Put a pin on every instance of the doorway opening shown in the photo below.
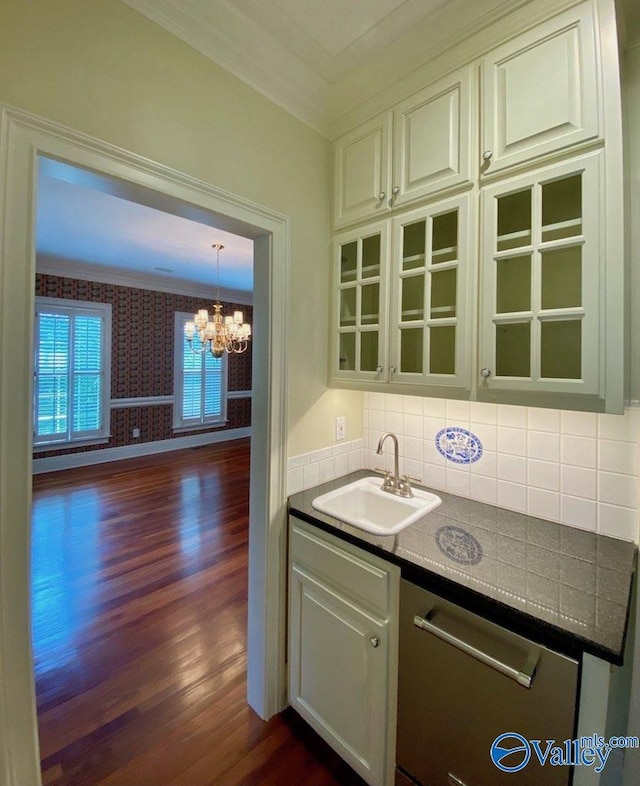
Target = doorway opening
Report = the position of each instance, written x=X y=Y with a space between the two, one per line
x=139 y=564
x=24 y=139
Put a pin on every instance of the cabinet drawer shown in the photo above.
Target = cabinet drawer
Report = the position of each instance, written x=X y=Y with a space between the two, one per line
x=336 y=563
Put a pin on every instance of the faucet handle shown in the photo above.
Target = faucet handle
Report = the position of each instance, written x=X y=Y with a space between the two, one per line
x=389 y=482
x=404 y=485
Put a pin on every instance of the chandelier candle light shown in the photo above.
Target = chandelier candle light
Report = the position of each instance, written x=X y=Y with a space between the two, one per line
x=218 y=334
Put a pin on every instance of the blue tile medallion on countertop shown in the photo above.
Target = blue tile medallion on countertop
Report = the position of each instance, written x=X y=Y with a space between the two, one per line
x=459 y=545
x=458 y=445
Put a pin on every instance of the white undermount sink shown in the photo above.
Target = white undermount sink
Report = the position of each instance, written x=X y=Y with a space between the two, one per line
x=364 y=505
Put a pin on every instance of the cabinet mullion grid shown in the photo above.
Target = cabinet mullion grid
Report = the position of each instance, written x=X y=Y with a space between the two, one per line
x=358 y=355
x=535 y=369
x=427 y=271
x=342 y=287
x=362 y=282
x=565 y=313
x=431 y=268
x=537 y=316
x=404 y=275
x=511 y=317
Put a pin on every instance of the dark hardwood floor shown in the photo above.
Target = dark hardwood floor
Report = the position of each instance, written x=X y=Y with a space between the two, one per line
x=139 y=630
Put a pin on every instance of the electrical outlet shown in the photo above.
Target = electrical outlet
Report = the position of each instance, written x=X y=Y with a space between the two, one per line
x=341 y=428
x=136 y=433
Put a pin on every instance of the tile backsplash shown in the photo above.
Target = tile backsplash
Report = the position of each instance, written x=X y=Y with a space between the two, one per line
x=578 y=468
x=319 y=466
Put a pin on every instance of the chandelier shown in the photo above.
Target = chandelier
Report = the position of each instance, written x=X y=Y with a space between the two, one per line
x=218 y=334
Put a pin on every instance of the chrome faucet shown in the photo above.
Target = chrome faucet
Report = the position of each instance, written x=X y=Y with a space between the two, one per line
x=394 y=484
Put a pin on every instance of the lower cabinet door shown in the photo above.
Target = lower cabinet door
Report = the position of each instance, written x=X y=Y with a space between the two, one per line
x=338 y=673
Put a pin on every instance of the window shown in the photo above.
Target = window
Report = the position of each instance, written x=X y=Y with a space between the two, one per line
x=72 y=371
x=200 y=384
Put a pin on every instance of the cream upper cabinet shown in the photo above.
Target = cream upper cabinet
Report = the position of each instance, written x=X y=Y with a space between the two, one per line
x=363 y=171
x=543 y=277
x=360 y=301
x=540 y=91
x=401 y=311
x=429 y=329
x=506 y=284
x=426 y=138
x=431 y=139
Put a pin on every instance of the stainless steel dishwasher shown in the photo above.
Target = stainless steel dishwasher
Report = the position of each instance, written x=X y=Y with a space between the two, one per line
x=463 y=681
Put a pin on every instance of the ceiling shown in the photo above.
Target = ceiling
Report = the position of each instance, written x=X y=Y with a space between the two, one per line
x=336 y=36
x=116 y=230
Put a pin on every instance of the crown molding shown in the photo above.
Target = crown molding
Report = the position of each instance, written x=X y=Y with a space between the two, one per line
x=335 y=96
x=431 y=51
x=69 y=268
x=239 y=45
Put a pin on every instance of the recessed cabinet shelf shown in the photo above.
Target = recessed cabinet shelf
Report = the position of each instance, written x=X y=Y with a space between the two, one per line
x=411 y=259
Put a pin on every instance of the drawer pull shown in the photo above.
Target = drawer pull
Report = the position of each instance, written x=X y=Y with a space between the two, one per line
x=524 y=677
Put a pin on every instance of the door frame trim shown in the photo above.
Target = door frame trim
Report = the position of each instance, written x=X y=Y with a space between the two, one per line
x=23 y=137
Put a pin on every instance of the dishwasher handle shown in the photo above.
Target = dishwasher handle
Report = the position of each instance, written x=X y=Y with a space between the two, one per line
x=523 y=677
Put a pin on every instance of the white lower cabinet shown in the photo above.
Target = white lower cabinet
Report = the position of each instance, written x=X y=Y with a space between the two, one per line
x=343 y=634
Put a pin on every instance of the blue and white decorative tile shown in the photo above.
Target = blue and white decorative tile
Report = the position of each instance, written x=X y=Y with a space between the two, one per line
x=459 y=545
x=458 y=445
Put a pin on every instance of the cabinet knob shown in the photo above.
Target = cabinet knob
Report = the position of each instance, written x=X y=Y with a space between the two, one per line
x=381 y=196
x=487 y=155
x=379 y=369
x=392 y=369
x=485 y=373
x=395 y=190
x=374 y=641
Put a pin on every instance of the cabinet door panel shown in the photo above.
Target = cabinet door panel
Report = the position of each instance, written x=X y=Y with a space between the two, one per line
x=540 y=91
x=359 y=323
x=431 y=139
x=430 y=321
x=540 y=312
x=337 y=678
x=363 y=171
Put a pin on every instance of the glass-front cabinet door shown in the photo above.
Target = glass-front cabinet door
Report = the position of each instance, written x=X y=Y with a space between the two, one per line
x=360 y=300
x=541 y=279
x=430 y=321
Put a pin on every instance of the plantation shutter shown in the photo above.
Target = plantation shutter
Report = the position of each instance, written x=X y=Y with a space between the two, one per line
x=52 y=375
x=200 y=385
x=212 y=387
x=87 y=377
x=69 y=373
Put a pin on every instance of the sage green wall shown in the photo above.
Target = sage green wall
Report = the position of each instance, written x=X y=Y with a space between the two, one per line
x=631 y=95
x=102 y=68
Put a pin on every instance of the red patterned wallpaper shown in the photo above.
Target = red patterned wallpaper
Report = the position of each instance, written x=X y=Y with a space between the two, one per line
x=142 y=357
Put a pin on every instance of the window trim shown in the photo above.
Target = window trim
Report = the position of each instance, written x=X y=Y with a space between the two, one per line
x=179 y=424
x=54 y=305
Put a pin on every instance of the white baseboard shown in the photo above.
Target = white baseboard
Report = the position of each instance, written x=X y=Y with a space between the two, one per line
x=71 y=460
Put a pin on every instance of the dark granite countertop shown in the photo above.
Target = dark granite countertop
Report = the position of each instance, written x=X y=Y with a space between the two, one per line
x=563 y=587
